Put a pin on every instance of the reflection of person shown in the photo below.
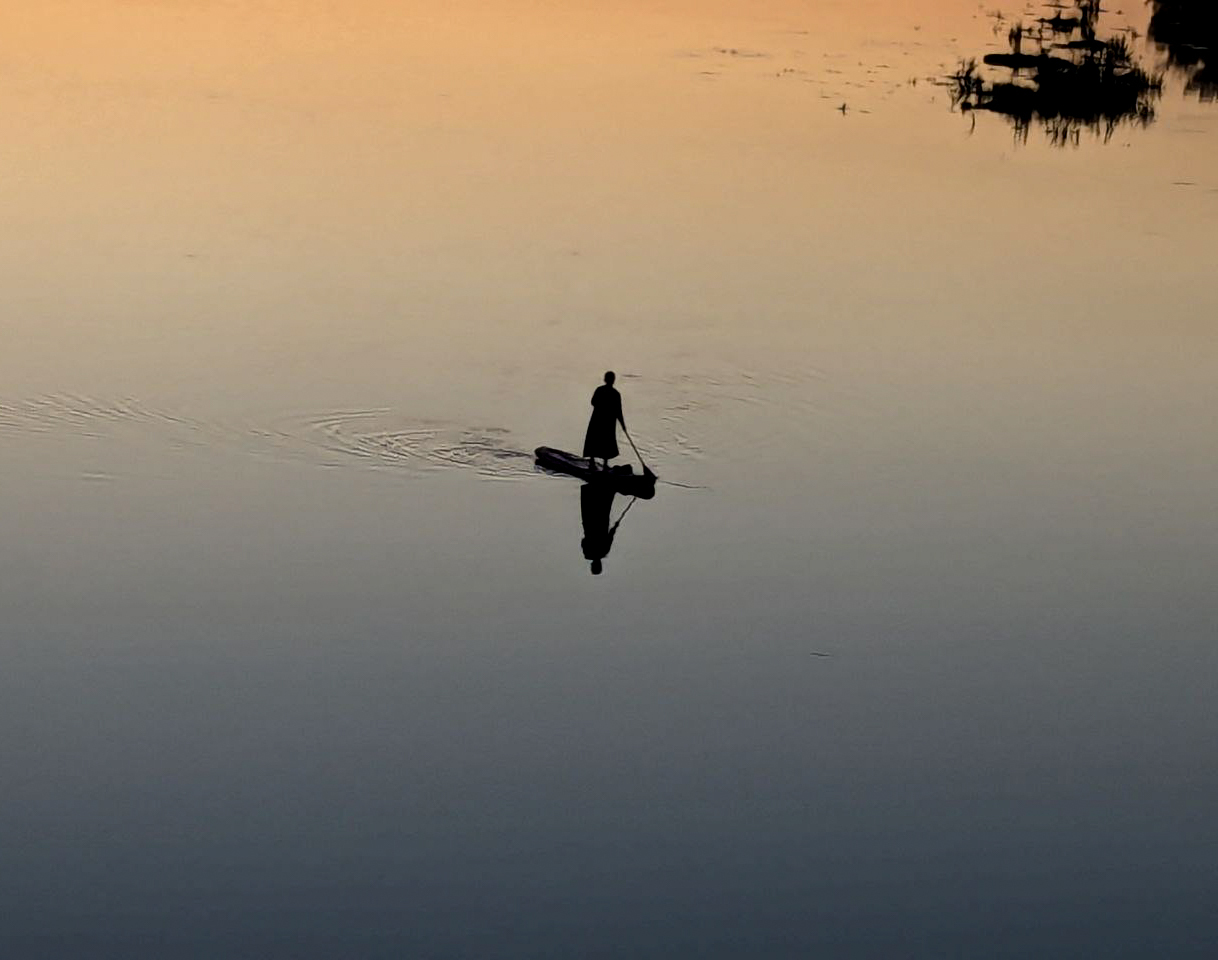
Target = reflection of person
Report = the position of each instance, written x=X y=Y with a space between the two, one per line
x=601 y=438
x=595 y=507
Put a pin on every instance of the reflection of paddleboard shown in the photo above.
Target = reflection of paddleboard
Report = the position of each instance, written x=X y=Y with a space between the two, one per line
x=622 y=479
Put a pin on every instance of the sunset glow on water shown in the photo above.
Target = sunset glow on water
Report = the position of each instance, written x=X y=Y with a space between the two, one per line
x=910 y=655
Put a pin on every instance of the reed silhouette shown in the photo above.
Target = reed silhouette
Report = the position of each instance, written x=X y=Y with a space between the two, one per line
x=1064 y=75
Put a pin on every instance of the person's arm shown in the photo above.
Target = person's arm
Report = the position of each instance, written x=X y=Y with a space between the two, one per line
x=620 y=419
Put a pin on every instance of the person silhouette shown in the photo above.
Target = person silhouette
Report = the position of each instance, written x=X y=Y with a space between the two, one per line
x=595 y=508
x=601 y=438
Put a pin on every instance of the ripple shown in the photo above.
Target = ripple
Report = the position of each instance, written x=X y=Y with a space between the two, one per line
x=373 y=438
x=66 y=414
x=689 y=419
x=739 y=413
x=381 y=438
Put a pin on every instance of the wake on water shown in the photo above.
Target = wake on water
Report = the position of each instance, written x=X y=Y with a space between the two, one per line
x=686 y=416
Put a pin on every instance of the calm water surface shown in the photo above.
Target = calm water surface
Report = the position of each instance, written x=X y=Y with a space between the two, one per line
x=913 y=653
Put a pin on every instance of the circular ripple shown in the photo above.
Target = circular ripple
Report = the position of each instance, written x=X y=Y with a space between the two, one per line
x=374 y=438
x=380 y=438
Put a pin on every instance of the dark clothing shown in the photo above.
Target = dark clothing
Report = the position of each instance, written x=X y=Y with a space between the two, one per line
x=601 y=438
x=595 y=508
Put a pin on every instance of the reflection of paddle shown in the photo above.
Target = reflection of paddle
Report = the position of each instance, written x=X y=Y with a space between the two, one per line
x=646 y=469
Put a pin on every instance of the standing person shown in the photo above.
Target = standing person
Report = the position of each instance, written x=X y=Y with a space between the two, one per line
x=601 y=438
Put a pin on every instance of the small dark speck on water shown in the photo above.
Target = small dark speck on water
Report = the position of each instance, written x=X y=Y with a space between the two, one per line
x=737 y=52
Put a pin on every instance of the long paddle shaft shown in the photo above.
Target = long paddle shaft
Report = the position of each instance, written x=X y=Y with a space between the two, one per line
x=646 y=469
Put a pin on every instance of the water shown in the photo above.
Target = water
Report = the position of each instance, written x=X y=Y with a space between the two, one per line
x=911 y=654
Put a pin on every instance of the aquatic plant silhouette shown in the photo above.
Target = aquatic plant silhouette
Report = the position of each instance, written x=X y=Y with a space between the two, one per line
x=1188 y=31
x=1065 y=76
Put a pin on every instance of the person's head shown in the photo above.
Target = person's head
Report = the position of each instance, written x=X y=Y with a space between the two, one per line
x=609 y=378
x=596 y=567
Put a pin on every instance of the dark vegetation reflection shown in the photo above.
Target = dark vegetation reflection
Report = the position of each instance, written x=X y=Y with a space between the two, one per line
x=1188 y=31
x=1065 y=74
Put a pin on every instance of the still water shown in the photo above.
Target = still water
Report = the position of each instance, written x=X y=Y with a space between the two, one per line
x=911 y=655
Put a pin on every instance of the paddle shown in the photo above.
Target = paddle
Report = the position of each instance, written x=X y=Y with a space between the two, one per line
x=646 y=469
